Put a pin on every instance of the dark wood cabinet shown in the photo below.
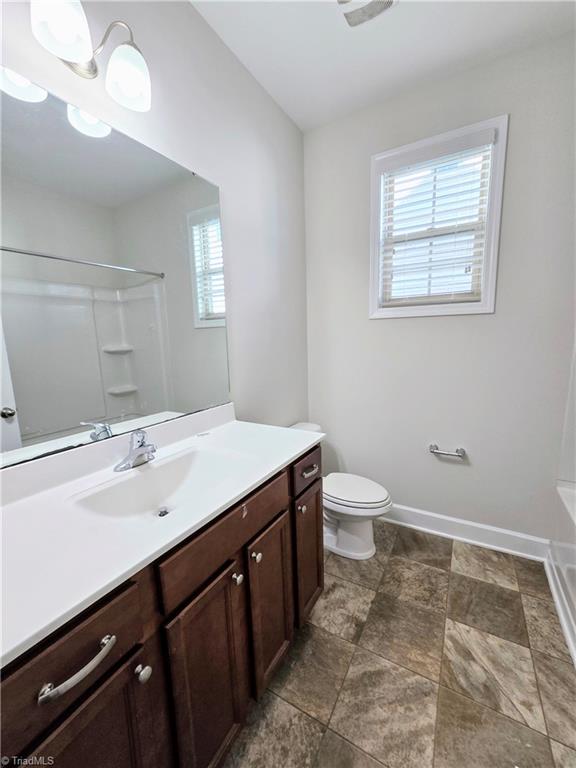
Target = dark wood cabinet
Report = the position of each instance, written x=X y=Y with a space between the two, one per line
x=271 y=603
x=124 y=723
x=309 y=550
x=161 y=671
x=206 y=664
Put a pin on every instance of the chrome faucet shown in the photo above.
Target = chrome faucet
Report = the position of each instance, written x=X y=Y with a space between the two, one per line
x=141 y=452
x=101 y=429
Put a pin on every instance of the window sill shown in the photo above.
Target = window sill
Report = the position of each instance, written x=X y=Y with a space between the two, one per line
x=209 y=323
x=429 y=310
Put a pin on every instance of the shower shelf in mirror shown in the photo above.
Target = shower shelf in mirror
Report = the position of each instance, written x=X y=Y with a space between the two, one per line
x=118 y=349
x=125 y=389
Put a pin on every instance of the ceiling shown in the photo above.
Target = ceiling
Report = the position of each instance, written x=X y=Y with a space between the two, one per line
x=317 y=68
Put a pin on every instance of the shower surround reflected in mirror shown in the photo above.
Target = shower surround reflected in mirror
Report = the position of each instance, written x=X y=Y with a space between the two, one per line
x=134 y=338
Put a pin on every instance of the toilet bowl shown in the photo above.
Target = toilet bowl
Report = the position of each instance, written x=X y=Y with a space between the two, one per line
x=351 y=504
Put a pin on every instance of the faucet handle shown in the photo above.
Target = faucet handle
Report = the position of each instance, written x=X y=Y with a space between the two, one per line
x=100 y=429
x=137 y=438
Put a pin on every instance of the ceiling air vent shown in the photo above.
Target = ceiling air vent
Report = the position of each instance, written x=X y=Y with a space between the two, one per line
x=370 y=10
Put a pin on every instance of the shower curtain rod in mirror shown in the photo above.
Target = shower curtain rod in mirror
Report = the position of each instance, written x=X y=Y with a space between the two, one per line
x=80 y=261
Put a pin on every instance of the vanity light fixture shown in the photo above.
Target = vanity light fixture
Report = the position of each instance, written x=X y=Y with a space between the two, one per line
x=87 y=123
x=61 y=27
x=20 y=87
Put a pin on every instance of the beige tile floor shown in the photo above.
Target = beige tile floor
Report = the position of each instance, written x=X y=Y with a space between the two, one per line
x=433 y=654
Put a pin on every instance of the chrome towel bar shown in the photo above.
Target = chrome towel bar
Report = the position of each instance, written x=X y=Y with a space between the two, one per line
x=459 y=453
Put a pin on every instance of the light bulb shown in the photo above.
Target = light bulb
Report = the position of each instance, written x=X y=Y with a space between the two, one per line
x=128 y=79
x=87 y=123
x=61 y=27
x=20 y=87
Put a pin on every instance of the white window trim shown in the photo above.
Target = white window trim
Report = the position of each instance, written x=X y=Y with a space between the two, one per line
x=197 y=217
x=420 y=151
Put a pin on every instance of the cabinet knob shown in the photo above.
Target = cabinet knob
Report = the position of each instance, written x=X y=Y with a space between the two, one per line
x=244 y=511
x=237 y=578
x=143 y=673
x=257 y=556
x=303 y=508
x=8 y=413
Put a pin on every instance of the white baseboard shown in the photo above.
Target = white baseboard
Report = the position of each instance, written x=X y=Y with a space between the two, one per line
x=473 y=533
x=502 y=540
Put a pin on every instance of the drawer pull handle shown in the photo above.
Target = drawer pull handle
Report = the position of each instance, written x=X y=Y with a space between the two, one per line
x=143 y=673
x=257 y=556
x=237 y=578
x=303 y=508
x=49 y=691
x=310 y=471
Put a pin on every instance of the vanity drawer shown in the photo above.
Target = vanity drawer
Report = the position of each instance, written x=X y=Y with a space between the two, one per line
x=306 y=471
x=191 y=565
x=23 y=717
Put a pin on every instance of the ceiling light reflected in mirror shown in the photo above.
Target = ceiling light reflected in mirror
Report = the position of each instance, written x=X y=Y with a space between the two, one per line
x=87 y=123
x=20 y=87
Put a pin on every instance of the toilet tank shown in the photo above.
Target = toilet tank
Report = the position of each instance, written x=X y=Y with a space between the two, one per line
x=307 y=426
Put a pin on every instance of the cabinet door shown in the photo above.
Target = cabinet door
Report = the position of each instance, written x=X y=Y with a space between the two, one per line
x=206 y=664
x=108 y=729
x=271 y=605
x=309 y=546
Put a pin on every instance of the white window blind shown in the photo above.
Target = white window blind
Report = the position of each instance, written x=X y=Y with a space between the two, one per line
x=436 y=226
x=209 y=268
x=434 y=229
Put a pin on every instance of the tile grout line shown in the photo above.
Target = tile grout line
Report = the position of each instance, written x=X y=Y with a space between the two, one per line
x=547 y=726
x=356 y=648
x=436 y=719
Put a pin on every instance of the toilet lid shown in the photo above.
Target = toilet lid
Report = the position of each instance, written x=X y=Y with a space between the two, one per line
x=354 y=490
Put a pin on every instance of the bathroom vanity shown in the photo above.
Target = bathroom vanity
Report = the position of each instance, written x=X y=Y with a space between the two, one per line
x=160 y=670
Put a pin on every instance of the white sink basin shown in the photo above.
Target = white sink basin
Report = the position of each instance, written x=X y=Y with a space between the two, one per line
x=168 y=484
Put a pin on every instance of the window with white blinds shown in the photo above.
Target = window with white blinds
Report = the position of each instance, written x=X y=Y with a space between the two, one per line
x=208 y=264
x=435 y=219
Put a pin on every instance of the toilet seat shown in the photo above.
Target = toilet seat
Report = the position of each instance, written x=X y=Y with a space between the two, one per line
x=354 y=492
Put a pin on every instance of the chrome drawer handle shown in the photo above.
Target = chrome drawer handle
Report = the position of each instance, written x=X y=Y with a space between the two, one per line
x=303 y=508
x=310 y=471
x=257 y=556
x=237 y=578
x=49 y=691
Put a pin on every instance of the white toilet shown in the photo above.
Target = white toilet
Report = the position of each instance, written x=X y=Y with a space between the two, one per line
x=351 y=504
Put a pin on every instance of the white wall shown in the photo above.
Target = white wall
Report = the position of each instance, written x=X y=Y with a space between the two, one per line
x=495 y=384
x=211 y=116
x=37 y=218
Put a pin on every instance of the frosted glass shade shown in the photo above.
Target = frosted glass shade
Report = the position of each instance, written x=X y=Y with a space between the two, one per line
x=61 y=27
x=87 y=123
x=20 y=87
x=128 y=79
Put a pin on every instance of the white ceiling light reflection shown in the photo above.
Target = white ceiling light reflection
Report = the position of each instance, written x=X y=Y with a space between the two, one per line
x=61 y=27
x=128 y=79
x=87 y=123
x=20 y=87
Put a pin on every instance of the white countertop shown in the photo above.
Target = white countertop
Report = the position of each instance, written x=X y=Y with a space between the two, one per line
x=58 y=561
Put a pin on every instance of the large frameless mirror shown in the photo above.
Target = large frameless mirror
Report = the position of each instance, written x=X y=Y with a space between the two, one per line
x=112 y=283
